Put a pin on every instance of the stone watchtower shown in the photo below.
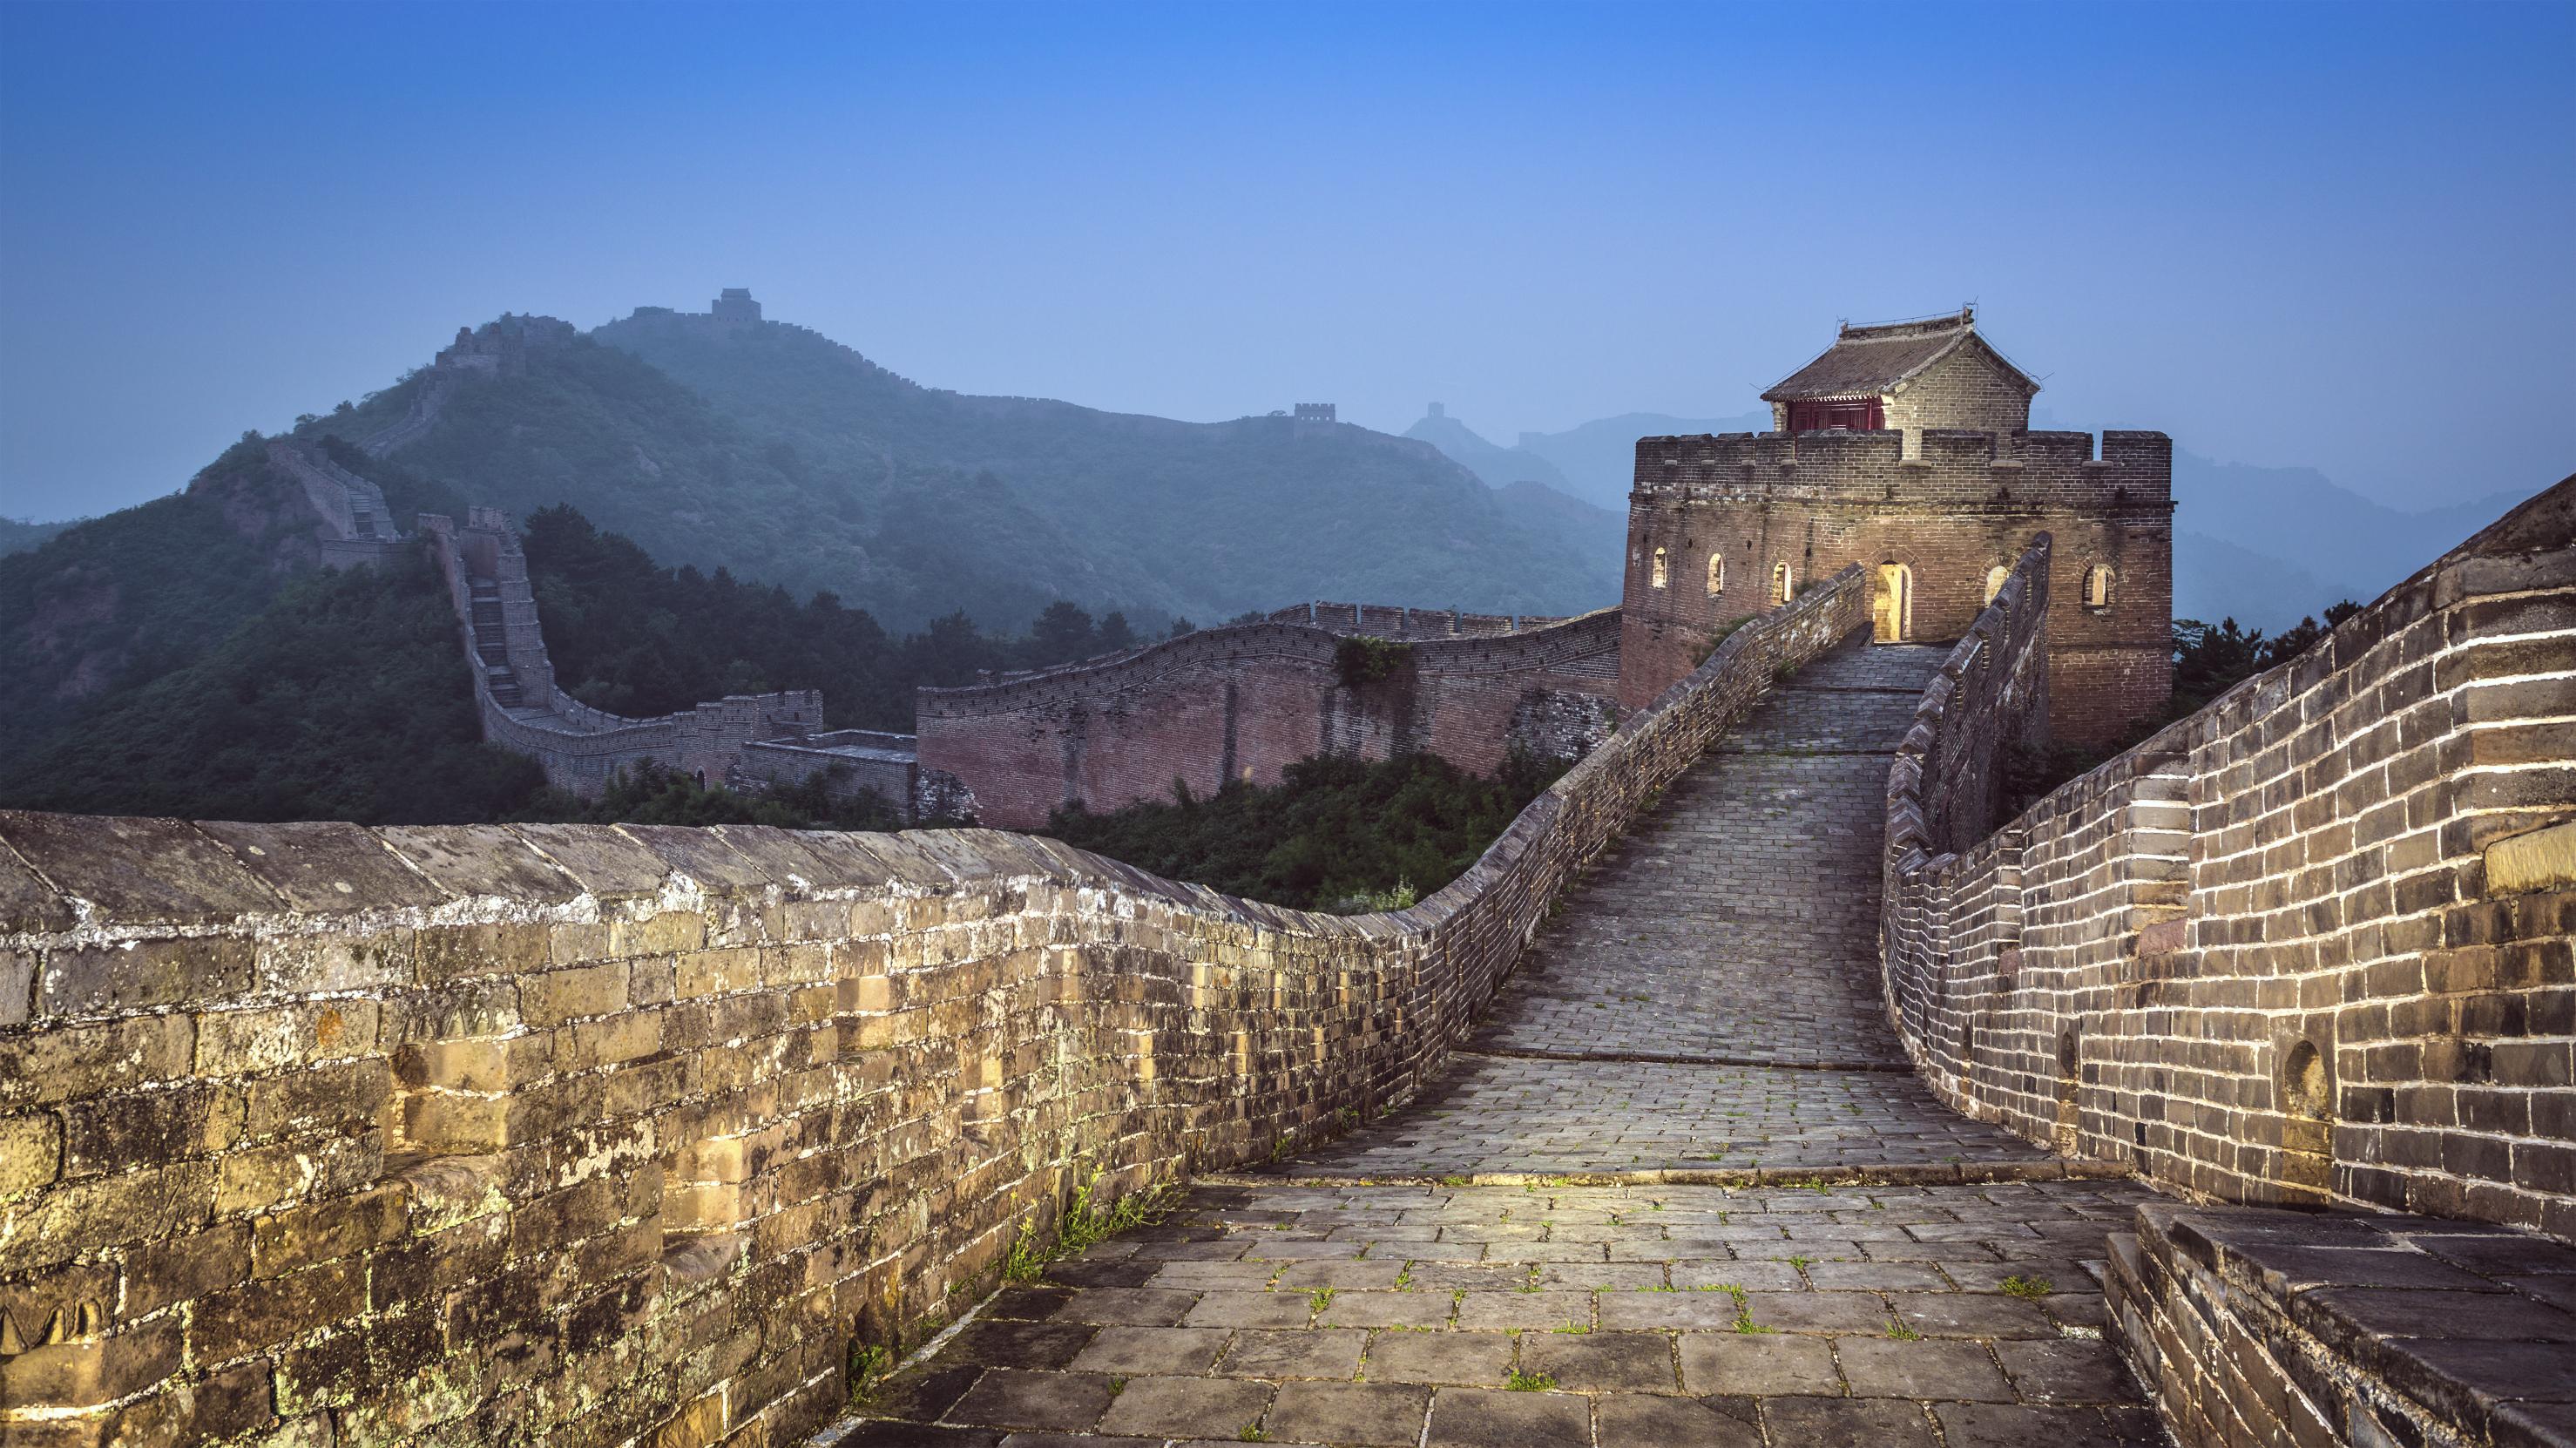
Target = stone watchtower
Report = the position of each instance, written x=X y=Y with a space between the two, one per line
x=736 y=308
x=1906 y=448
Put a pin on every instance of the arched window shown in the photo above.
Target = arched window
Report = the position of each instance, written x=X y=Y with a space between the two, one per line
x=1783 y=586
x=1661 y=571
x=1716 y=574
x=1995 y=577
x=2097 y=586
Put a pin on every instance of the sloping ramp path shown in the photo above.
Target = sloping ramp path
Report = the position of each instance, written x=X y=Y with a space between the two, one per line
x=1538 y=1251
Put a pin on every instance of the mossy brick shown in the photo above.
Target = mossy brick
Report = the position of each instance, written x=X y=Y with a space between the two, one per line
x=343 y=1096
x=96 y=980
x=443 y=1121
x=146 y=1128
x=264 y=1178
x=823 y=920
x=327 y=1231
x=31 y=1152
x=697 y=1424
x=268 y=1312
x=480 y=860
x=250 y=1042
x=609 y=1041
x=716 y=972
x=311 y=964
x=578 y=942
x=665 y=932
x=324 y=868
x=534 y=1113
x=486 y=1065
x=648 y=1086
x=456 y=1011
x=61 y=1222
x=68 y=1062
x=137 y=871
x=550 y=998
x=484 y=948
x=169 y=1270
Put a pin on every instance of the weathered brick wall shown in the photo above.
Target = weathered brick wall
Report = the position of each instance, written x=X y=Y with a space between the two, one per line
x=1968 y=390
x=1245 y=701
x=568 y=1134
x=2311 y=944
x=1971 y=503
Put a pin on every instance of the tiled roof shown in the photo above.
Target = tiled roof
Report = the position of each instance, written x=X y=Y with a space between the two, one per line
x=1876 y=360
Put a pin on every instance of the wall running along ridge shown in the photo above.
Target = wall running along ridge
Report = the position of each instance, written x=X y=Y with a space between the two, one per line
x=565 y=1134
x=2310 y=945
x=1245 y=701
x=582 y=748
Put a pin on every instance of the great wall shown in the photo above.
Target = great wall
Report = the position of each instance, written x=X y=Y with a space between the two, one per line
x=1778 y=1078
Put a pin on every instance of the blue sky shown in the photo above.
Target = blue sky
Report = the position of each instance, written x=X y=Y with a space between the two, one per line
x=2333 y=236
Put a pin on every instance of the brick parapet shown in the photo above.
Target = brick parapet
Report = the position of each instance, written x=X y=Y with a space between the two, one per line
x=2260 y=955
x=1245 y=701
x=580 y=1134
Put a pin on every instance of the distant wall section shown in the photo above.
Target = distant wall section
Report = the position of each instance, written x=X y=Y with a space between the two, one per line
x=1244 y=701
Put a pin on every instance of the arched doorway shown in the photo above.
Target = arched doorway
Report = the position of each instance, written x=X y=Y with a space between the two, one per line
x=1892 y=611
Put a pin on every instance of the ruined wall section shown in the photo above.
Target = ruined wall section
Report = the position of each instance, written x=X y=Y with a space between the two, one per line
x=1971 y=503
x=587 y=1135
x=1245 y=701
x=2309 y=945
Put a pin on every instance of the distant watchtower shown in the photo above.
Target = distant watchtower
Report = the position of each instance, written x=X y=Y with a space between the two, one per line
x=1905 y=377
x=736 y=308
x=1906 y=448
x=1316 y=412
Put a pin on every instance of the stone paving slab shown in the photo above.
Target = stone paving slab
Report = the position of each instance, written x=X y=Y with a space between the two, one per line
x=1617 y=1317
x=1499 y=1114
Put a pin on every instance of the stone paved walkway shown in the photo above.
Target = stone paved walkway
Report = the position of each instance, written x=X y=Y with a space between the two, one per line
x=1494 y=1115
x=1707 y=1003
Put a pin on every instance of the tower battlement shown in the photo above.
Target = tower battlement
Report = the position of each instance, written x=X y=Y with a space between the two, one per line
x=1906 y=448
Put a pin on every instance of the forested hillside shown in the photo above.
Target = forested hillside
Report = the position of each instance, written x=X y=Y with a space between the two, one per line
x=234 y=683
x=18 y=535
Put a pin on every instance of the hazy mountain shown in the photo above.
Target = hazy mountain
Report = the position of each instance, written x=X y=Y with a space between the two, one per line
x=1498 y=466
x=17 y=535
x=1599 y=458
x=1156 y=516
x=1594 y=463
x=2295 y=533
